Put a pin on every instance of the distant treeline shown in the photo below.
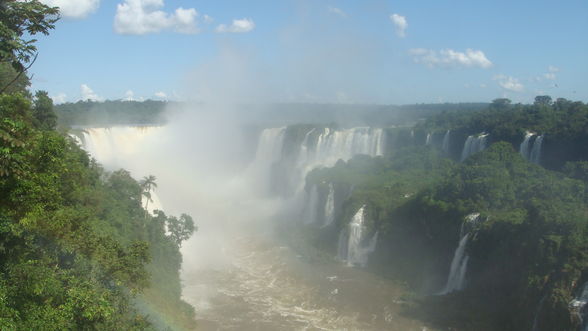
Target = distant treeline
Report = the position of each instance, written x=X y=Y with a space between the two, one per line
x=111 y=112
x=353 y=114
x=120 y=112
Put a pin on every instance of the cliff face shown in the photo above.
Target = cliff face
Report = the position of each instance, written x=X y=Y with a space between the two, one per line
x=521 y=266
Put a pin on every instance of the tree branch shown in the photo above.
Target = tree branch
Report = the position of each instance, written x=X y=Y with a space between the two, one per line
x=19 y=74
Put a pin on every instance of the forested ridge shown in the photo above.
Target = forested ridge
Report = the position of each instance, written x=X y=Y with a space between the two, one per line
x=107 y=113
x=77 y=249
x=526 y=252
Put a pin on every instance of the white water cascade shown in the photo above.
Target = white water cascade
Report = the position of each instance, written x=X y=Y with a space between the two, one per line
x=428 y=140
x=531 y=149
x=474 y=144
x=269 y=151
x=353 y=249
x=579 y=306
x=113 y=147
x=535 y=155
x=330 y=206
x=459 y=264
x=321 y=147
x=333 y=145
x=525 y=147
x=445 y=143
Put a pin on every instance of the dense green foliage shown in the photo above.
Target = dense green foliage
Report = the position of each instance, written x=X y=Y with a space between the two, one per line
x=529 y=255
x=563 y=122
x=76 y=245
x=11 y=80
x=111 y=112
x=17 y=20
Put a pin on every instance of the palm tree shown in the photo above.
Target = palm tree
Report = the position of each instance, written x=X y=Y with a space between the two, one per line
x=147 y=185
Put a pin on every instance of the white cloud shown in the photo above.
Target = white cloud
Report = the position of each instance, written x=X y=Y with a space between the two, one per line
x=238 y=26
x=143 y=16
x=88 y=94
x=185 y=20
x=337 y=11
x=549 y=75
x=450 y=58
x=59 y=98
x=509 y=83
x=207 y=19
x=74 y=8
x=400 y=24
x=161 y=95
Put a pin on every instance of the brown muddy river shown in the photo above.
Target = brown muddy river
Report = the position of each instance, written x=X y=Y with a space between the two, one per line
x=269 y=287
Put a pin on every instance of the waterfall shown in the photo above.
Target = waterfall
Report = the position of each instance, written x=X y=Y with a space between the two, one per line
x=579 y=306
x=531 y=151
x=459 y=263
x=114 y=147
x=330 y=206
x=321 y=147
x=354 y=250
x=333 y=145
x=445 y=143
x=269 y=151
x=474 y=144
x=77 y=139
x=428 y=140
x=535 y=155
x=525 y=147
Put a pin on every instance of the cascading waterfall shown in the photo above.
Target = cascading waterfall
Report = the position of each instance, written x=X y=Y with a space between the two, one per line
x=459 y=264
x=319 y=148
x=445 y=143
x=269 y=151
x=354 y=250
x=428 y=140
x=330 y=206
x=525 y=147
x=333 y=145
x=112 y=145
x=531 y=150
x=474 y=144
x=535 y=155
x=579 y=306
x=109 y=145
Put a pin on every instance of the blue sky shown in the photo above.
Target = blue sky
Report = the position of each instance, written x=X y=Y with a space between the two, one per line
x=387 y=52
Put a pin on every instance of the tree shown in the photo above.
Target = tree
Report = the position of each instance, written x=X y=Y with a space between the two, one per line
x=17 y=19
x=542 y=100
x=181 y=228
x=43 y=111
x=500 y=103
x=7 y=75
x=147 y=185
